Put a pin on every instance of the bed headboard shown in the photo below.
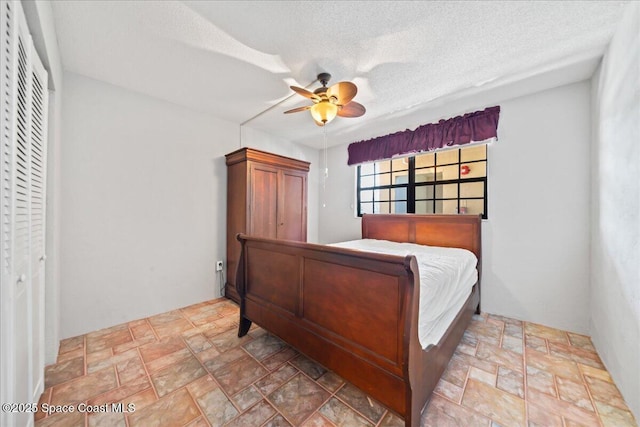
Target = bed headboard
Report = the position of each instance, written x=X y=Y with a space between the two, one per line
x=454 y=231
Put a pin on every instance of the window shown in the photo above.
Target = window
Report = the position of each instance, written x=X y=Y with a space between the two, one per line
x=447 y=182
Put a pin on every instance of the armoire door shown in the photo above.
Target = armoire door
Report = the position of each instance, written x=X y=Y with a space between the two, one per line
x=292 y=206
x=263 y=207
x=266 y=197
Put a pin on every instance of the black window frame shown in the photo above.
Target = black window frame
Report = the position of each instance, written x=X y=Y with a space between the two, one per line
x=411 y=185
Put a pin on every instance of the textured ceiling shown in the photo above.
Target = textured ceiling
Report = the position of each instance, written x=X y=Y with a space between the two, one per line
x=235 y=59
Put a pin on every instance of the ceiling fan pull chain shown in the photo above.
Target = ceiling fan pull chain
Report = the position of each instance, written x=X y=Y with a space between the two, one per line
x=326 y=162
x=325 y=172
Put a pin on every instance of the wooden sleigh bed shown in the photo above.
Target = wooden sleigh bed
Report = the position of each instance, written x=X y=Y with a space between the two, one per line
x=356 y=312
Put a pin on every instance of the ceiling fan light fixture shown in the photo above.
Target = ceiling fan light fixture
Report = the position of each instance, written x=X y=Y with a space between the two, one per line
x=324 y=112
x=329 y=102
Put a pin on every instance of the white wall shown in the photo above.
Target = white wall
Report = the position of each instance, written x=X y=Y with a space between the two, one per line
x=536 y=240
x=144 y=205
x=41 y=24
x=143 y=202
x=337 y=220
x=615 y=225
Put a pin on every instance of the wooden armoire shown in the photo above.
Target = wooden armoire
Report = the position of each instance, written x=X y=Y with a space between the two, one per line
x=266 y=197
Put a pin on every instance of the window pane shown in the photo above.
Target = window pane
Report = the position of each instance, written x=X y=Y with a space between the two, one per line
x=383 y=166
x=399 y=193
x=425 y=160
x=366 y=196
x=383 y=179
x=382 y=207
x=425 y=175
x=476 y=170
x=367 y=181
x=477 y=152
x=447 y=157
x=400 y=164
x=424 y=207
x=473 y=206
x=472 y=189
x=400 y=177
x=445 y=173
x=447 y=206
x=381 y=194
x=399 y=207
x=367 y=169
x=366 y=208
x=424 y=192
x=448 y=191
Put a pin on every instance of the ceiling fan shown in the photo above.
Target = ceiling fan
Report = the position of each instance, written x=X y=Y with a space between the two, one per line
x=329 y=102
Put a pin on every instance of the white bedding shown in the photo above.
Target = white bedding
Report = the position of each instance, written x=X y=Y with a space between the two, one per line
x=446 y=278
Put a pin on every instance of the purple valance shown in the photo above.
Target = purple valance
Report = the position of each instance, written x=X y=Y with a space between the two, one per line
x=476 y=126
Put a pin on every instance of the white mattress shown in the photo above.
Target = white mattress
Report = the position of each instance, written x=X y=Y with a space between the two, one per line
x=446 y=278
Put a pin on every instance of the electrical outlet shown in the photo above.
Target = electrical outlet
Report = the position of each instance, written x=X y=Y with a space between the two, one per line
x=219 y=265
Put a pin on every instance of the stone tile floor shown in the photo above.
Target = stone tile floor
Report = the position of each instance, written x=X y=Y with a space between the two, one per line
x=187 y=367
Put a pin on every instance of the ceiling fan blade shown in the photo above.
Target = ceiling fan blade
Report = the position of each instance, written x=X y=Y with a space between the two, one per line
x=307 y=94
x=296 y=110
x=352 y=109
x=342 y=92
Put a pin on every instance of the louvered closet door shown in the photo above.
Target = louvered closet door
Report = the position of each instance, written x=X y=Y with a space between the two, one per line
x=38 y=175
x=23 y=118
x=21 y=239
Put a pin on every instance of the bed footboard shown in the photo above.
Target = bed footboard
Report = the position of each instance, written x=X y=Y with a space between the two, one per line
x=357 y=312
x=351 y=311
